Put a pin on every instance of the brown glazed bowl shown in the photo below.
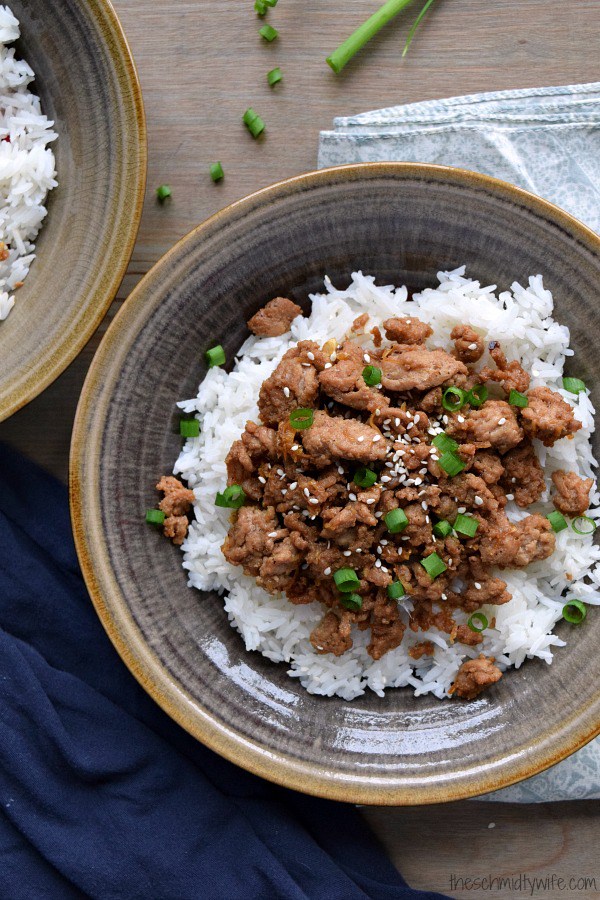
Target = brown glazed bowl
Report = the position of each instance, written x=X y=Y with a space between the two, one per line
x=87 y=83
x=401 y=223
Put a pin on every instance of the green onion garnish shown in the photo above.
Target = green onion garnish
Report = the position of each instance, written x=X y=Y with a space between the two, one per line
x=395 y=520
x=189 y=428
x=371 y=375
x=215 y=356
x=442 y=528
x=477 y=395
x=260 y=7
x=574 y=611
x=253 y=122
x=353 y=602
x=155 y=516
x=433 y=565
x=395 y=590
x=444 y=443
x=301 y=418
x=216 y=171
x=414 y=27
x=344 y=53
x=557 y=520
x=274 y=76
x=163 y=193
x=346 y=580
x=364 y=477
x=270 y=2
x=268 y=33
x=516 y=398
x=232 y=497
x=467 y=525
x=573 y=385
x=478 y=622
x=451 y=464
x=583 y=525
x=454 y=398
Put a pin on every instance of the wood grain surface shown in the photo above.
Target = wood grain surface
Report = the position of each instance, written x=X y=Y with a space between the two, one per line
x=201 y=65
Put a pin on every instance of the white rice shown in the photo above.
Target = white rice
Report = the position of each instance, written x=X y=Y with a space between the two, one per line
x=27 y=168
x=521 y=319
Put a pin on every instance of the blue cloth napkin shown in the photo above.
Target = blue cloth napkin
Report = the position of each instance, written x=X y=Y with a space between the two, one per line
x=101 y=794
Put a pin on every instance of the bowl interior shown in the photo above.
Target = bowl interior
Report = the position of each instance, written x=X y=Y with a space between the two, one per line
x=87 y=84
x=401 y=223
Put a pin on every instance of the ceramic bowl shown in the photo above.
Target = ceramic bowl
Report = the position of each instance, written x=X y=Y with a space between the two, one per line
x=87 y=83
x=401 y=223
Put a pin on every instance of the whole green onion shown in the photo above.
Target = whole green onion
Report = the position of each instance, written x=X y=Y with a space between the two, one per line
x=353 y=602
x=444 y=443
x=466 y=525
x=364 y=477
x=346 y=580
x=253 y=122
x=163 y=193
x=274 y=76
x=415 y=25
x=583 y=525
x=478 y=622
x=573 y=385
x=395 y=590
x=371 y=375
x=395 y=520
x=268 y=33
x=301 y=418
x=344 y=53
x=216 y=171
x=215 y=356
x=232 y=497
x=451 y=464
x=442 y=528
x=189 y=428
x=557 y=520
x=516 y=398
x=477 y=395
x=433 y=565
x=574 y=612
x=454 y=398
x=155 y=516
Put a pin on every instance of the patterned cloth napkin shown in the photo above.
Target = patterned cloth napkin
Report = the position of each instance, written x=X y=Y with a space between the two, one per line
x=546 y=140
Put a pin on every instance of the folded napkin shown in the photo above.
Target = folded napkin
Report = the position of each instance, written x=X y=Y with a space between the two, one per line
x=546 y=140
x=101 y=794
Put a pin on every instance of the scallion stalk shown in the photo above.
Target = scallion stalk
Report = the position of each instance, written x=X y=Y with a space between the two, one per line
x=357 y=40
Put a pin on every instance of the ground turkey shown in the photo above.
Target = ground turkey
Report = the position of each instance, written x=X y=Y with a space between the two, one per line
x=275 y=318
x=474 y=676
x=572 y=493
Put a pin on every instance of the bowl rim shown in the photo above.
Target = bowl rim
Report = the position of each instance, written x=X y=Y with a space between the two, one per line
x=48 y=368
x=273 y=764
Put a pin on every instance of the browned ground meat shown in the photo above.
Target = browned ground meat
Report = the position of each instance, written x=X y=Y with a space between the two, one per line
x=466 y=635
x=344 y=383
x=332 y=634
x=419 y=369
x=407 y=330
x=548 y=417
x=175 y=504
x=516 y=546
x=275 y=318
x=572 y=495
x=523 y=475
x=468 y=345
x=511 y=375
x=293 y=384
x=492 y=425
x=488 y=465
x=474 y=676
x=175 y=528
x=332 y=437
x=422 y=648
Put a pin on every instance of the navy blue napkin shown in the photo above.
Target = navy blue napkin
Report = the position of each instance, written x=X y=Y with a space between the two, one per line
x=101 y=794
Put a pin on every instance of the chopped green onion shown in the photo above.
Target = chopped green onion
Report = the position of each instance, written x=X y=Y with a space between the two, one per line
x=271 y=2
x=346 y=580
x=155 y=516
x=268 y=33
x=395 y=590
x=477 y=395
x=467 y=525
x=189 y=428
x=215 y=356
x=395 y=520
x=216 y=171
x=274 y=76
x=583 y=525
x=371 y=375
x=557 y=520
x=364 y=477
x=516 y=398
x=353 y=602
x=451 y=464
x=478 y=622
x=260 y=7
x=301 y=418
x=253 y=122
x=574 y=611
x=163 y=193
x=444 y=443
x=573 y=385
x=442 y=528
x=454 y=398
x=433 y=565
x=344 y=53
x=232 y=497
x=414 y=27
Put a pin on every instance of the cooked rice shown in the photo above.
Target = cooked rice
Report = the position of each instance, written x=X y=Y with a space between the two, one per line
x=521 y=319
x=27 y=169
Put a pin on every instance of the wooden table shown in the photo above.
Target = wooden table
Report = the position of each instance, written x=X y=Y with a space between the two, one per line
x=201 y=65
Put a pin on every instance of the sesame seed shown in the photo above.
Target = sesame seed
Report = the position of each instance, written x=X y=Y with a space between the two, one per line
x=462 y=509
x=293 y=485
x=377 y=412
x=358 y=550
x=272 y=534
x=444 y=597
x=379 y=550
x=312 y=500
x=477 y=585
x=360 y=438
x=377 y=563
x=352 y=497
x=327 y=571
x=445 y=420
x=376 y=438
x=295 y=447
x=286 y=391
x=306 y=492
x=283 y=492
x=424 y=504
x=262 y=480
x=427 y=519
x=327 y=366
x=386 y=421
x=367 y=358
x=478 y=501
x=333 y=356
x=472 y=346
x=378 y=514
x=397 y=423
x=409 y=414
x=310 y=354
x=409 y=426
x=347 y=552
x=370 y=501
x=306 y=365
x=510 y=496
x=501 y=421
x=418 y=481
x=461 y=419
x=341 y=470
x=513 y=480
x=385 y=478
x=449 y=562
